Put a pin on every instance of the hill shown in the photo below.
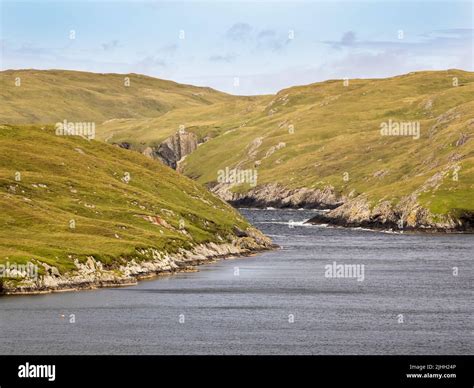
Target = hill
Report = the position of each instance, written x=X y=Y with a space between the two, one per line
x=332 y=144
x=50 y=96
x=88 y=214
x=321 y=145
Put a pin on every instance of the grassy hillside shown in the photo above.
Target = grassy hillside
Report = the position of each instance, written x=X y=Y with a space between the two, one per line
x=336 y=134
x=206 y=121
x=328 y=134
x=324 y=135
x=38 y=96
x=49 y=183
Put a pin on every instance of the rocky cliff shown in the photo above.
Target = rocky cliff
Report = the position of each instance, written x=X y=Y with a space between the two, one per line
x=408 y=214
x=275 y=195
x=350 y=210
x=174 y=148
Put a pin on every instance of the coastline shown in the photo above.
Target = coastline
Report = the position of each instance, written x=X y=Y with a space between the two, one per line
x=92 y=274
x=321 y=219
x=408 y=215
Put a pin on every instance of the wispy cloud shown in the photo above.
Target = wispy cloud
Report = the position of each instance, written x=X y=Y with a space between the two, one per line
x=109 y=46
x=239 y=32
x=251 y=42
x=348 y=39
x=270 y=40
x=425 y=42
x=149 y=64
x=451 y=33
x=228 y=58
x=260 y=39
x=168 y=49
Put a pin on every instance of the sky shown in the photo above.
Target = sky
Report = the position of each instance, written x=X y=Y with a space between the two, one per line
x=240 y=47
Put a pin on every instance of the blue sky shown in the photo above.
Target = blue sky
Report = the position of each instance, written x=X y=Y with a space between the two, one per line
x=267 y=45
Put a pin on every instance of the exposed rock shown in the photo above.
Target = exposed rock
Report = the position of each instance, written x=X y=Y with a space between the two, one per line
x=149 y=152
x=354 y=210
x=253 y=147
x=272 y=149
x=145 y=264
x=444 y=119
x=380 y=173
x=406 y=215
x=428 y=104
x=239 y=232
x=156 y=220
x=124 y=145
x=462 y=139
x=274 y=195
x=174 y=148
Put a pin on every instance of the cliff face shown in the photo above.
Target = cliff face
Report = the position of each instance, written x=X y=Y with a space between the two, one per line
x=174 y=148
x=275 y=195
x=408 y=214
x=350 y=211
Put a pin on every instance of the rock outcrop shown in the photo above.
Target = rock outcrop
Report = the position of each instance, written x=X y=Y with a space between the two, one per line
x=174 y=148
x=275 y=195
x=146 y=263
x=408 y=214
x=352 y=210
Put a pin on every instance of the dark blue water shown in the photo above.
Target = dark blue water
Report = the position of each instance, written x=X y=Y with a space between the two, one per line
x=277 y=302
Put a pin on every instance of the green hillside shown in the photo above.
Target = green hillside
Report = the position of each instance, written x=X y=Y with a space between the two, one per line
x=317 y=136
x=50 y=96
x=64 y=198
x=337 y=130
x=328 y=134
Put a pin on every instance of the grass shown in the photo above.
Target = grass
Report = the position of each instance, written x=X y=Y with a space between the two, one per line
x=55 y=95
x=336 y=130
x=47 y=180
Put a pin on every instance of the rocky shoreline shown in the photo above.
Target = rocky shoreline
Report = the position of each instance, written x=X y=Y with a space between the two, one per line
x=324 y=219
x=275 y=195
x=406 y=215
x=350 y=211
x=92 y=274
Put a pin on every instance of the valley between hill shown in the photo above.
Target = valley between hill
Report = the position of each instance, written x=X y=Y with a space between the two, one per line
x=315 y=146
